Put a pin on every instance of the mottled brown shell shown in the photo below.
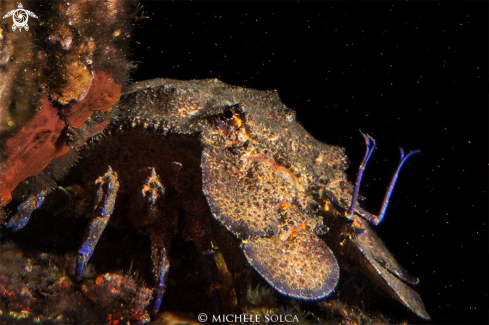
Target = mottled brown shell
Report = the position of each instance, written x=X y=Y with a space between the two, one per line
x=259 y=170
x=248 y=197
x=302 y=267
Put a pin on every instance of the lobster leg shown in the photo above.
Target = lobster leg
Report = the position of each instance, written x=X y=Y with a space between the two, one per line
x=370 y=142
x=375 y=220
x=25 y=209
x=199 y=230
x=161 y=265
x=104 y=206
x=388 y=193
x=153 y=190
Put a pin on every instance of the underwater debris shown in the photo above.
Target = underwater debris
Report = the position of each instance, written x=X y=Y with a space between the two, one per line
x=40 y=289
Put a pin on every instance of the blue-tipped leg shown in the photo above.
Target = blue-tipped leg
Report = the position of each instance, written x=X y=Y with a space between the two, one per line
x=104 y=206
x=370 y=142
x=90 y=240
x=388 y=194
x=25 y=209
x=154 y=190
x=376 y=220
x=161 y=272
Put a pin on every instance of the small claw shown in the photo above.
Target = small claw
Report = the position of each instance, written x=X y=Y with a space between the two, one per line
x=153 y=188
x=109 y=179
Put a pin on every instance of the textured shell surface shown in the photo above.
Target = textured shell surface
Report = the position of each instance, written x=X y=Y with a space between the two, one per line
x=265 y=179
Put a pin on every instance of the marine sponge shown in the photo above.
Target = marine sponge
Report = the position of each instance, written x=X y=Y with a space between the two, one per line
x=67 y=67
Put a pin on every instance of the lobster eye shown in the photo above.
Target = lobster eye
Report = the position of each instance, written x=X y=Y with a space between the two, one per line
x=228 y=114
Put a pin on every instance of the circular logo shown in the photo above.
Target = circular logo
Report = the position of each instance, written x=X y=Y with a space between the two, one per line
x=202 y=317
x=20 y=17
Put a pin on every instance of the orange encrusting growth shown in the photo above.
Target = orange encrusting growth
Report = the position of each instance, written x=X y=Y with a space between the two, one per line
x=103 y=93
x=32 y=148
x=39 y=141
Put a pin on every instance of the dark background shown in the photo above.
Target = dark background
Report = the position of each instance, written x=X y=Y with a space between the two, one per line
x=409 y=74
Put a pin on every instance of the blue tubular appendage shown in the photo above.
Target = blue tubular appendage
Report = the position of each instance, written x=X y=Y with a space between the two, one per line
x=160 y=290
x=388 y=194
x=106 y=193
x=370 y=142
x=25 y=209
x=161 y=273
x=90 y=240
